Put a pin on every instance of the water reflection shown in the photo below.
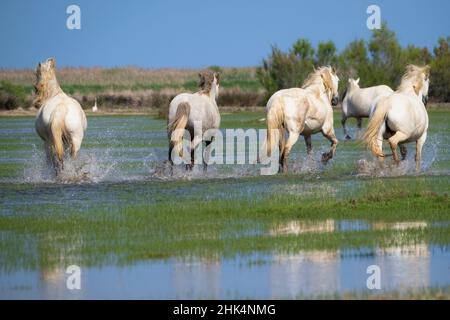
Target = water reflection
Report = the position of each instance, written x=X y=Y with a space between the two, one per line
x=399 y=225
x=298 y=227
x=303 y=274
x=200 y=279
x=52 y=282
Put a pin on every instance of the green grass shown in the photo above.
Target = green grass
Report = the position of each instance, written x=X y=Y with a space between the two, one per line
x=133 y=230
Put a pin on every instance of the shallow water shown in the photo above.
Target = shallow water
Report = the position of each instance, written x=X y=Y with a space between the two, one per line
x=122 y=162
x=260 y=276
x=130 y=148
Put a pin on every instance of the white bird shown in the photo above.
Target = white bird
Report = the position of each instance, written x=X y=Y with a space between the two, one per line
x=94 y=108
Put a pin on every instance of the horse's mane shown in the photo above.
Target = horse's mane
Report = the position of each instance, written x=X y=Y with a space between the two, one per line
x=411 y=78
x=206 y=81
x=314 y=78
x=46 y=83
x=319 y=78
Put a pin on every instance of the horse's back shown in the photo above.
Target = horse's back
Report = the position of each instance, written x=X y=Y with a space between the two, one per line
x=299 y=105
x=284 y=97
x=201 y=109
x=361 y=103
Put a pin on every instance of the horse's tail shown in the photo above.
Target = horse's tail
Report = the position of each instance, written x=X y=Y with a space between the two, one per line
x=275 y=126
x=177 y=125
x=58 y=130
x=373 y=128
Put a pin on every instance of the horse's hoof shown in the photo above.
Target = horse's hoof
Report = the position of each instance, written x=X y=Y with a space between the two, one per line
x=282 y=169
x=325 y=157
x=347 y=137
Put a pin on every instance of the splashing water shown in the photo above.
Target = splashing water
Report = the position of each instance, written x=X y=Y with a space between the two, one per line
x=388 y=168
x=87 y=168
x=119 y=149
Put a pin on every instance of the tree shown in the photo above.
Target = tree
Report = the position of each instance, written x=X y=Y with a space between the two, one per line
x=286 y=69
x=326 y=54
x=380 y=61
x=353 y=62
x=385 y=51
x=440 y=71
x=415 y=55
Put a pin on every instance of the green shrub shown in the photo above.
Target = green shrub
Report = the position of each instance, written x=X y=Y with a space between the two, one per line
x=381 y=60
x=12 y=96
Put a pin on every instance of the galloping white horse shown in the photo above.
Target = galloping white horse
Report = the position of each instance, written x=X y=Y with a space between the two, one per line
x=60 y=121
x=304 y=111
x=401 y=117
x=192 y=112
x=358 y=102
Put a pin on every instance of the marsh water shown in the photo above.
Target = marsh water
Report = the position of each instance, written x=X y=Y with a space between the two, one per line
x=122 y=163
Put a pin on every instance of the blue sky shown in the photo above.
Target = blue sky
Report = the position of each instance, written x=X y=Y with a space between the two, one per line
x=194 y=33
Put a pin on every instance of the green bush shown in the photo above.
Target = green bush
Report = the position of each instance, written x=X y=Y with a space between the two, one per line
x=381 y=60
x=440 y=71
x=12 y=96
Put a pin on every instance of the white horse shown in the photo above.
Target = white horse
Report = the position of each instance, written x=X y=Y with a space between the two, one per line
x=196 y=113
x=358 y=102
x=306 y=111
x=60 y=121
x=401 y=117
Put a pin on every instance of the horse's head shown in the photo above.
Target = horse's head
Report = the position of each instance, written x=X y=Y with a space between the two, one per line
x=425 y=84
x=352 y=83
x=419 y=79
x=45 y=72
x=209 y=83
x=331 y=82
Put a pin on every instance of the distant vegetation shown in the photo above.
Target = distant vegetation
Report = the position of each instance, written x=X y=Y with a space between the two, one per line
x=135 y=87
x=379 y=60
x=12 y=96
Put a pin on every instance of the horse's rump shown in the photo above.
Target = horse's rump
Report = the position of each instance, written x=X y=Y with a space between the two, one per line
x=176 y=126
x=275 y=123
x=59 y=134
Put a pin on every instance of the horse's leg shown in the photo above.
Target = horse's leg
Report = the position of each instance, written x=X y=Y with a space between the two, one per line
x=49 y=155
x=308 y=143
x=359 y=123
x=171 y=146
x=75 y=147
x=293 y=137
x=343 y=121
x=170 y=158
x=52 y=159
x=329 y=134
x=58 y=164
x=206 y=154
x=394 y=141
x=380 y=138
x=194 y=143
x=359 y=126
x=403 y=151
x=419 y=144
x=190 y=166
